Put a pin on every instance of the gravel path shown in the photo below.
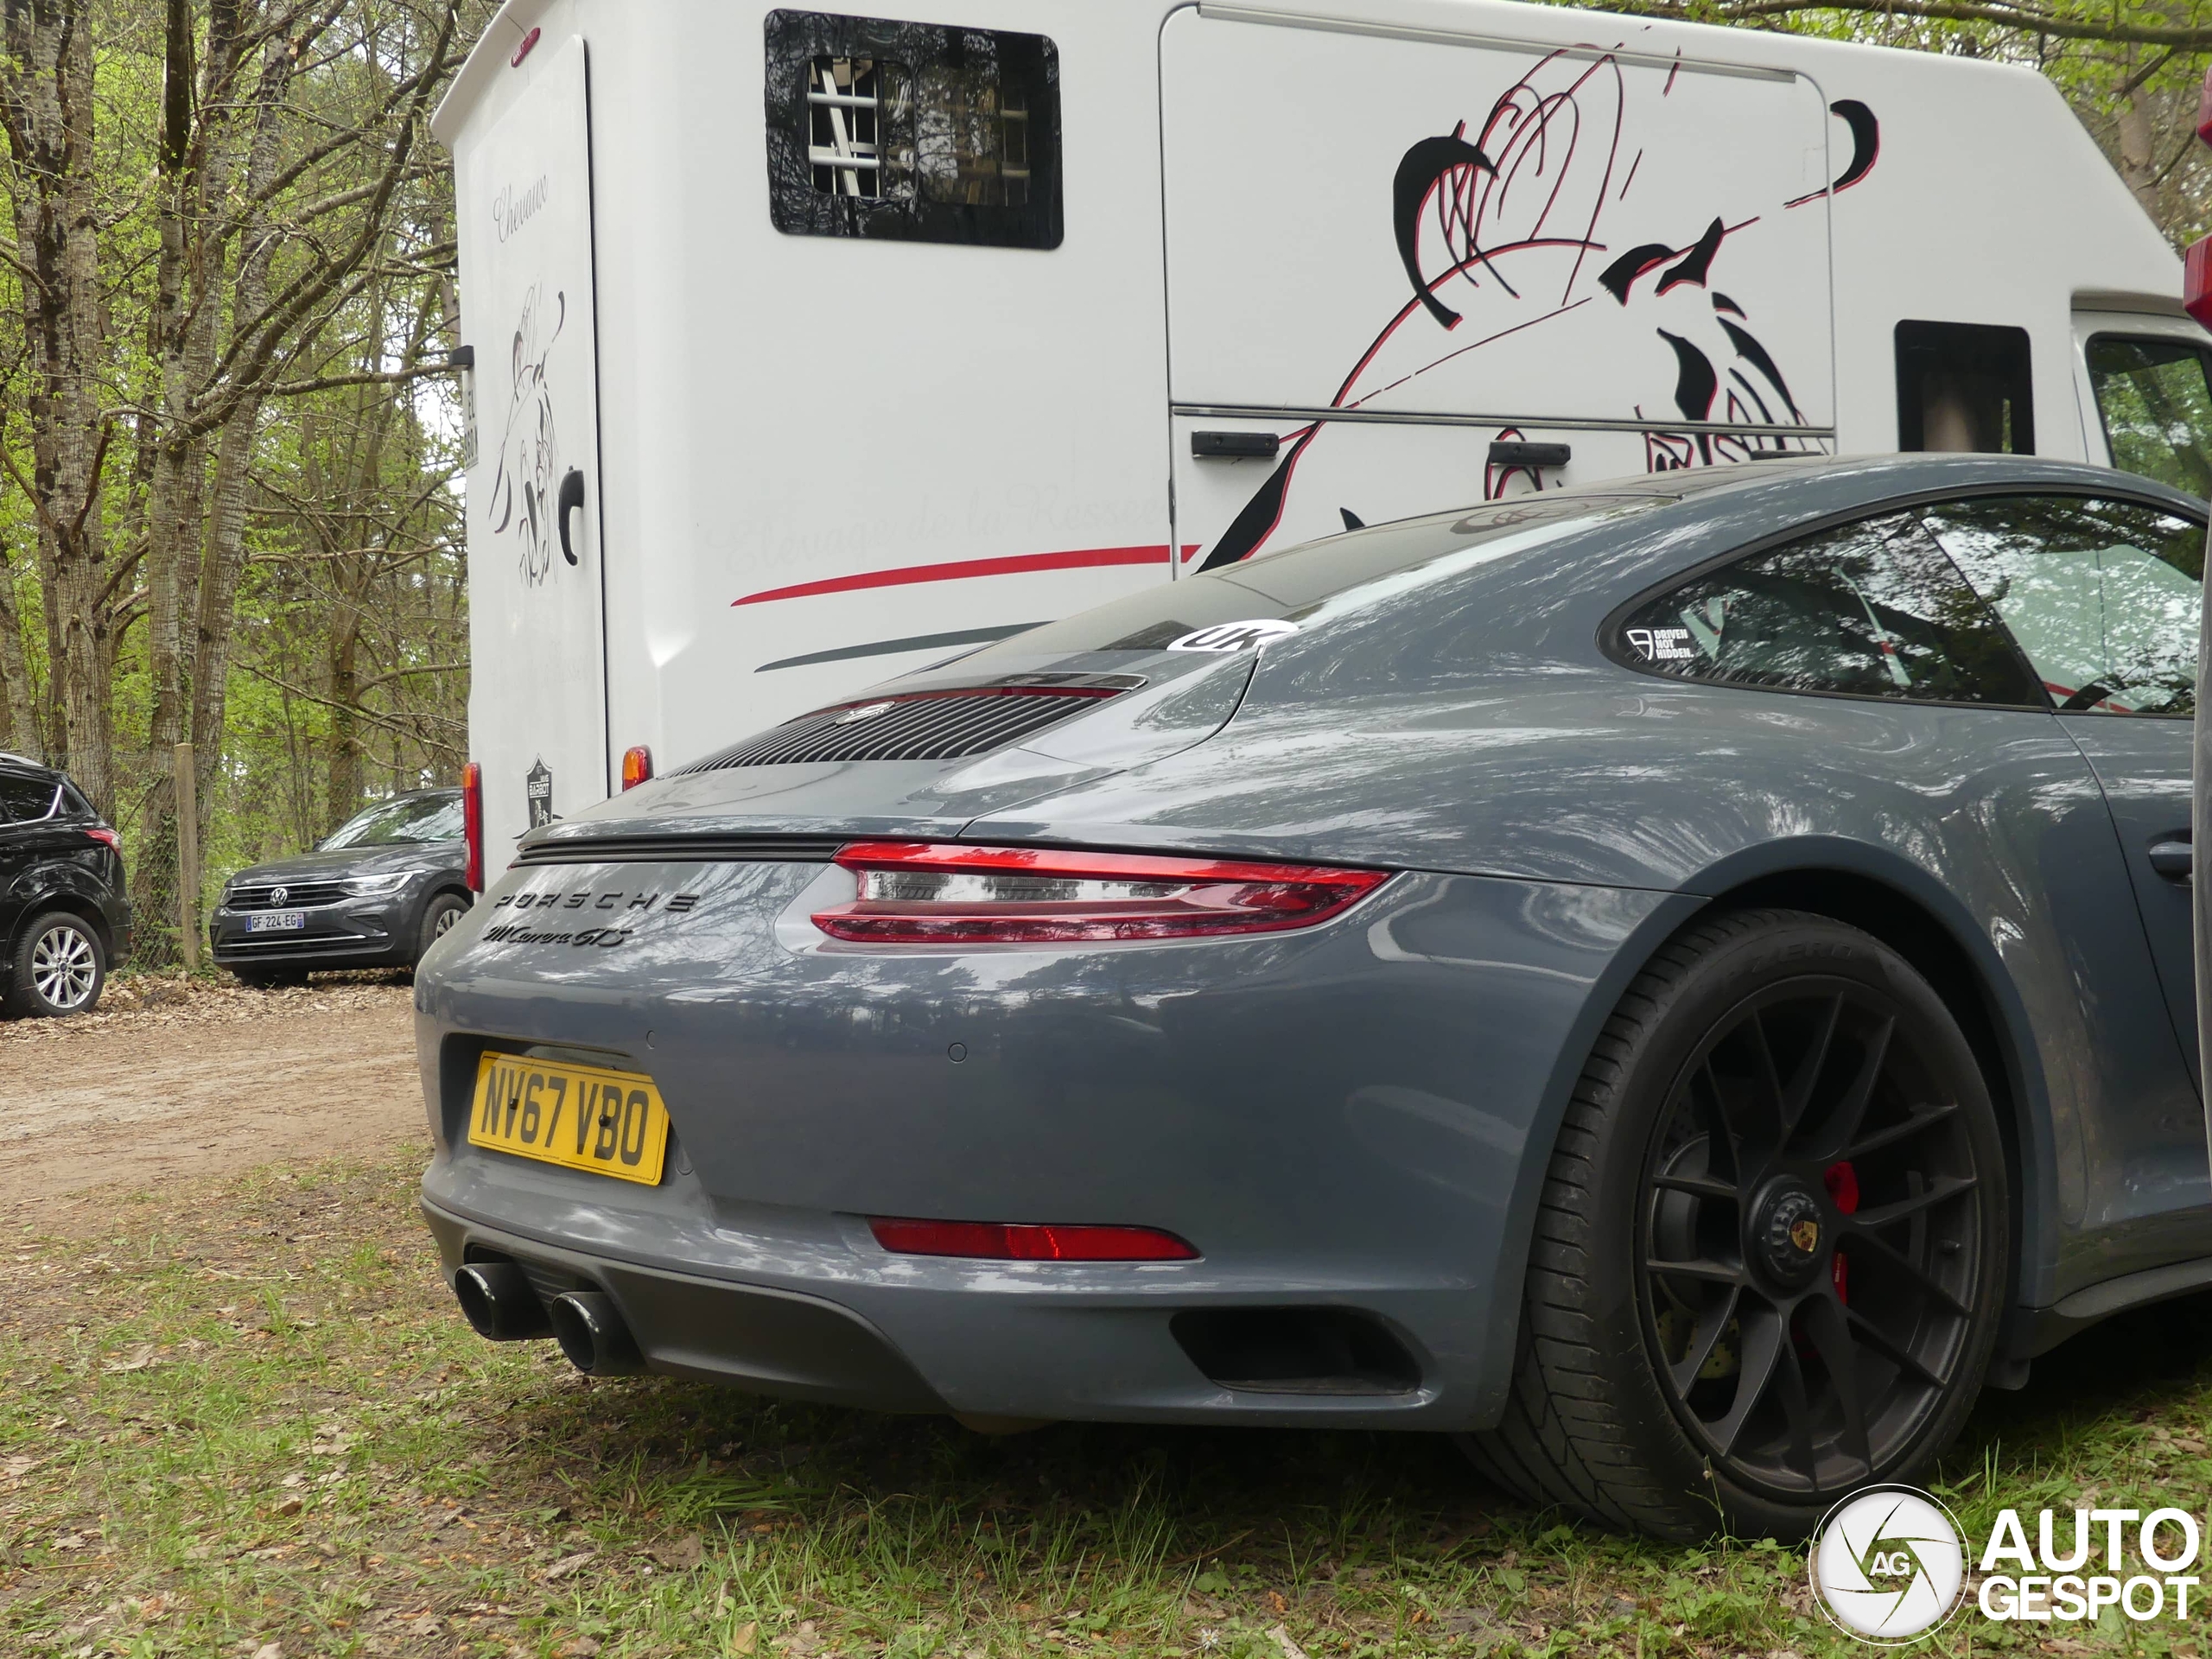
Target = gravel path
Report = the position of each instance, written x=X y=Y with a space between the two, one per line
x=168 y=1081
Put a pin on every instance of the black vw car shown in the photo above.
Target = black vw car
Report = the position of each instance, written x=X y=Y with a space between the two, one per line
x=63 y=916
x=373 y=894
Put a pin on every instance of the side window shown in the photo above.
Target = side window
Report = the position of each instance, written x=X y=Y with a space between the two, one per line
x=2102 y=595
x=915 y=132
x=1873 y=609
x=1965 y=386
x=23 y=800
x=2156 y=404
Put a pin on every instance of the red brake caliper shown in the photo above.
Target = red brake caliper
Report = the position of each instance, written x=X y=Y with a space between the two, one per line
x=1842 y=1183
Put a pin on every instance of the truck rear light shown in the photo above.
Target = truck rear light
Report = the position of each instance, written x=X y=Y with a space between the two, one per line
x=1000 y=1241
x=636 y=765
x=2196 y=281
x=472 y=824
x=106 y=838
x=919 y=892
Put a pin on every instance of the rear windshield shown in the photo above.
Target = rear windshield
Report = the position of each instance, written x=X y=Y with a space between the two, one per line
x=393 y=824
x=1315 y=579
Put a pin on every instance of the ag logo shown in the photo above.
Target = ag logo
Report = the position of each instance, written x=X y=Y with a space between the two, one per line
x=1233 y=636
x=1888 y=1565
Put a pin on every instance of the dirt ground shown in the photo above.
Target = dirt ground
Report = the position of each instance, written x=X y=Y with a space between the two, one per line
x=170 y=1080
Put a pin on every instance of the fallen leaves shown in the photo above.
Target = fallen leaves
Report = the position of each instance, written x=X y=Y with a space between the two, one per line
x=568 y=1565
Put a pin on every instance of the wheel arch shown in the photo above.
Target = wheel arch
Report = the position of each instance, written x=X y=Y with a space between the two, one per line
x=1981 y=997
x=45 y=901
x=1913 y=913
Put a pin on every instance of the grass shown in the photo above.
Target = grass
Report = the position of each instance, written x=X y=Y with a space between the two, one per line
x=247 y=1415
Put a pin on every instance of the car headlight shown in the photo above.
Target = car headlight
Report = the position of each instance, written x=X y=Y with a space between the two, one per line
x=361 y=887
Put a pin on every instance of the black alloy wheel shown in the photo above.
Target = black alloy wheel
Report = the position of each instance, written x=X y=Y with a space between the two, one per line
x=1772 y=1248
x=1811 y=1232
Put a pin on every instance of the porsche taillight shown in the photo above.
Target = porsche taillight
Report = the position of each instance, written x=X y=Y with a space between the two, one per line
x=936 y=892
x=472 y=824
x=993 y=1241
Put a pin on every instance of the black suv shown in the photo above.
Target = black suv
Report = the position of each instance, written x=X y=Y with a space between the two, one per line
x=63 y=915
x=374 y=894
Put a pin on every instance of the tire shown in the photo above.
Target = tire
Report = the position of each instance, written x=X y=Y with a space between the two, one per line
x=1751 y=1393
x=269 y=979
x=438 y=916
x=59 y=967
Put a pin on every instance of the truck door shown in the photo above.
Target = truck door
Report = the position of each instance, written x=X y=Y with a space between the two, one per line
x=1391 y=261
x=537 y=702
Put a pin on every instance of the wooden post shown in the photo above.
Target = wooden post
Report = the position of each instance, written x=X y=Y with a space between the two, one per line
x=188 y=855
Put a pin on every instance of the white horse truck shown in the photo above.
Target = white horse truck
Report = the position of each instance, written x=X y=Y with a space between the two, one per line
x=806 y=348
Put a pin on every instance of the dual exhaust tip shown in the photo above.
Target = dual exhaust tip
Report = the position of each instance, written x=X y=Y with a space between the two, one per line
x=501 y=1305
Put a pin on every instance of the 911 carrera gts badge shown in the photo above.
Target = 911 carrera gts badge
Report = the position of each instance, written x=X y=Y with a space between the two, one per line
x=864 y=711
x=1662 y=645
x=1233 y=636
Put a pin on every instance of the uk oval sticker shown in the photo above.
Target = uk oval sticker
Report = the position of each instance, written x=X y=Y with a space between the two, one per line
x=1233 y=636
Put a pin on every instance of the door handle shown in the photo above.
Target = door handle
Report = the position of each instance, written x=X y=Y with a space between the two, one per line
x=2172 y=858
x=571 y=496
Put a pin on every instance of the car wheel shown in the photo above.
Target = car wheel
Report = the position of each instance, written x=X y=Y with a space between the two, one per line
x=1769 y=1257
x=59 y=968
x=269 y=979
x=438 y=918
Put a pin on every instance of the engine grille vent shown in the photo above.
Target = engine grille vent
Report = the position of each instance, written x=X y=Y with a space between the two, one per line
x=921 y=725
x=677 y=847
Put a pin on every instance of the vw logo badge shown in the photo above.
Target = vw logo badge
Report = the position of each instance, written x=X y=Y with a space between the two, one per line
x=865 y=711
x=278 y=895
x=1889 y=1564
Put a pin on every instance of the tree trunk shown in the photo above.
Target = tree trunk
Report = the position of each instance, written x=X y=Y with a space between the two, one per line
x=46 y=99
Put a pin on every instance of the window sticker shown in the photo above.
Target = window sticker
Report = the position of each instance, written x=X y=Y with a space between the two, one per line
x=1661 y=645
x=1233 y=636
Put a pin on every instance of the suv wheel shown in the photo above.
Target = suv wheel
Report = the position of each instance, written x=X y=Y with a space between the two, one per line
x=59 y=967
x=1769 y=1257
x=438 y=918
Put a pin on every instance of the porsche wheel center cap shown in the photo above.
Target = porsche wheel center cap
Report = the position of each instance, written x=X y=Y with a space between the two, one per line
x=1787 y=1231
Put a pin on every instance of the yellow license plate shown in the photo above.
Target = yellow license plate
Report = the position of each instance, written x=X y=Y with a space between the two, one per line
x=579 y=1116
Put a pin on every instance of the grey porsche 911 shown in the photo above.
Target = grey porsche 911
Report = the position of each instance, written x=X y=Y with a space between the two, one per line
x=1679 y=983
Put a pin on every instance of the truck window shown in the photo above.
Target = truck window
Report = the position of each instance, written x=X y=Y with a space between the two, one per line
x=912 y=131
x=2155 y=398
x=1965 y=386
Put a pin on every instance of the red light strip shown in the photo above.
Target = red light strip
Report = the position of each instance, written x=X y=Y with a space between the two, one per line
x=957 y=858
x=1211 y=897
x=992 y=1241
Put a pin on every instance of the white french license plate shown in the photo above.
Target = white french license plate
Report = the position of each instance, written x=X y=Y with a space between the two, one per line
x=277 y=921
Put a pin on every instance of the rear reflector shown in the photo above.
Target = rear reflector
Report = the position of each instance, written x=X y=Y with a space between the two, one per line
x=636 y=765
x=1023 y=1241
x=472 y=824
x=919 y=892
